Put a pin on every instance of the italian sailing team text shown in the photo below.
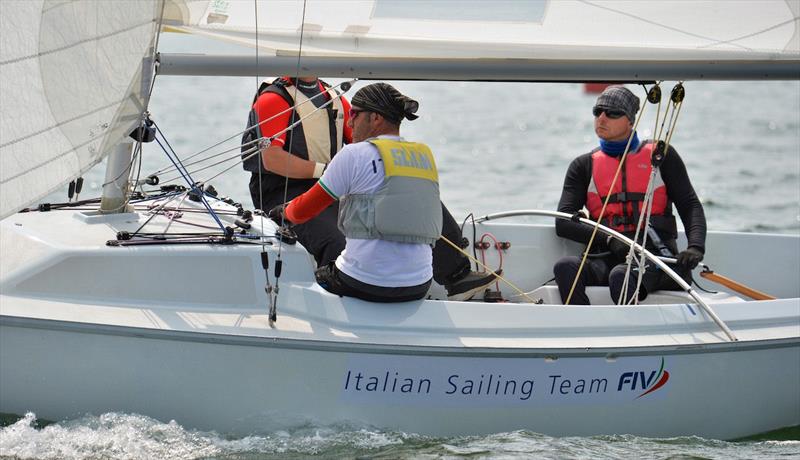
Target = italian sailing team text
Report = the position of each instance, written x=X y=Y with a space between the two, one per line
x=486 y=385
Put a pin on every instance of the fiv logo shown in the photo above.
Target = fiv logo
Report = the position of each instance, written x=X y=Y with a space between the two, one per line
x=643 y=380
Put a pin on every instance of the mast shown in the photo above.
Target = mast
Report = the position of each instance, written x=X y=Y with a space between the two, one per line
x=116 y=184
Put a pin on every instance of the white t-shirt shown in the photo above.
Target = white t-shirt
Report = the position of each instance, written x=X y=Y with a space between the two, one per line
x=358 y=168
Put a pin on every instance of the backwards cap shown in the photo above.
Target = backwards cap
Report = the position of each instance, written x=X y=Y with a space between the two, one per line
x=384 y=99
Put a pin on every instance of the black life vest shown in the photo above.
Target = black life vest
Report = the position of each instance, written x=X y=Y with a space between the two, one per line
x=297 y=143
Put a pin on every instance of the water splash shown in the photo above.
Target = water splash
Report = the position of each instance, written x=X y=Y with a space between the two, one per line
x=111 y=435
x=127 y=436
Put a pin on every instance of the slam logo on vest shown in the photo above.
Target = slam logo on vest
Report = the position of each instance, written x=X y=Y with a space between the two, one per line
x=645 y=381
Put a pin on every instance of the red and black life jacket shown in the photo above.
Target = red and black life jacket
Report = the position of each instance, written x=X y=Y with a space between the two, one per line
x=627 y=194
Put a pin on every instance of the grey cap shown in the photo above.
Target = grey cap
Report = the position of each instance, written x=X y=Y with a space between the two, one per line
x=621 y=98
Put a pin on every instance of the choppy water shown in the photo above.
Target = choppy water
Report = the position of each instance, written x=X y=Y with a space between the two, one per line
x=499 y=147
x=123 y=436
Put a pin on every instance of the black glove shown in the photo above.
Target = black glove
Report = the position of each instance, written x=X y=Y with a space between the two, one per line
x=278 y=215
x=690 y=257
x=618 y=248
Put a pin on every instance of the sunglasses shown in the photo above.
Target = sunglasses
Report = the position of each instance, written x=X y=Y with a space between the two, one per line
x=354 y=113
x=610 y=113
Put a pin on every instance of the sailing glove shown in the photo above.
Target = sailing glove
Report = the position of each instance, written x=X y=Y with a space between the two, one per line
x=278 y=215
x=690 y=257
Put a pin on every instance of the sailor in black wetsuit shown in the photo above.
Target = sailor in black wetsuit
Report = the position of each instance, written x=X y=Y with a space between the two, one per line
x=588 y=183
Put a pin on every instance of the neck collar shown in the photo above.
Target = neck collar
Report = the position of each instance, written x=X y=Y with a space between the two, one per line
x=304 y=85
x=617 y=148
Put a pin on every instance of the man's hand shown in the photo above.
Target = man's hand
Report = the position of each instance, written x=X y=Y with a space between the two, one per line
x=278 y=215
x=690 y=258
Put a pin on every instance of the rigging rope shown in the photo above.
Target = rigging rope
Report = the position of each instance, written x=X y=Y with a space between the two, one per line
x=264 y=255
x=512 y=285
x=658 y=155
x=605 y=203
x=653 y=96
x=254 y=150
x=194 y=186
x=273 y=316
x=238 y=134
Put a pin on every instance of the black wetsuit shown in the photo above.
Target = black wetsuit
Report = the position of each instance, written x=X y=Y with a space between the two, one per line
x=610 y=269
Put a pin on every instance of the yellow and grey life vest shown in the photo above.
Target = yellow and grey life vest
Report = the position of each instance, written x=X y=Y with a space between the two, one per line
x=406 y=207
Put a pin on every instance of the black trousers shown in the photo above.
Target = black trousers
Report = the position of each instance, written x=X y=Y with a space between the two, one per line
x=323 y=239
x=337 y=282
x=605 y=271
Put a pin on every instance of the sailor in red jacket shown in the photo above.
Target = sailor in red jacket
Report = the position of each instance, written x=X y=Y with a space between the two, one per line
x=588 y=183
x=297 y=157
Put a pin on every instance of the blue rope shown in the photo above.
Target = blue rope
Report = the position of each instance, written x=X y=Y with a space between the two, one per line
x=186 y=176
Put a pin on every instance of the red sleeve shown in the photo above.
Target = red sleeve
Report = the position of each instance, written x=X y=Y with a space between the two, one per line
x=306 y=206
x=268 y=106
x=348 y=130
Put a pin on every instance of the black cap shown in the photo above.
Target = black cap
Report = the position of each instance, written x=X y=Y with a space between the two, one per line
x=384 y=99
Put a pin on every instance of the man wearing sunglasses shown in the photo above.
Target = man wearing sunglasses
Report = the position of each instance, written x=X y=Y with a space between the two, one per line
x=389 y=210
x=296 y=157
x=589 y=181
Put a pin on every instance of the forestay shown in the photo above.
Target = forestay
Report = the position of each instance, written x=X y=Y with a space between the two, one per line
x=71 y=88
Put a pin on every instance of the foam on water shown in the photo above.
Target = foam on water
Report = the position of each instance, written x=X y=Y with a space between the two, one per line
x=110 y=435
x=126 y=436
x=130 y=436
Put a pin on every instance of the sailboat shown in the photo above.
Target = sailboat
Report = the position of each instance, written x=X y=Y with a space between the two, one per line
x=107 y=305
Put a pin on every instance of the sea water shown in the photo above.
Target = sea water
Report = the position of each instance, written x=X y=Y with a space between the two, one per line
x=505 y=146
x=499 y=146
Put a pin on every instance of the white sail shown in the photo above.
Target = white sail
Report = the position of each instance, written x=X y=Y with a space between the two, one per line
x=70 y=88
x=534 y=29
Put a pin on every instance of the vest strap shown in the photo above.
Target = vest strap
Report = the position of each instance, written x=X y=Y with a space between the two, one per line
x=624 y=197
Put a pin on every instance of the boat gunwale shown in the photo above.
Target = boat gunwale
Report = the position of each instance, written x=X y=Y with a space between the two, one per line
x=722 y=346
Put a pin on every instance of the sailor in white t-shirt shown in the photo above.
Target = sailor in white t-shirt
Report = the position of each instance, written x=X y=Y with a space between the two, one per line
x=389 y=208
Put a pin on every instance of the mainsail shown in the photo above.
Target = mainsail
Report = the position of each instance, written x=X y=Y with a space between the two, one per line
x=564 y=30
x=70 y=88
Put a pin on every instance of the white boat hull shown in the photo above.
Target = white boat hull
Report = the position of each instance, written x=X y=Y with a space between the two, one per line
x=181 y=332
x=239 y=385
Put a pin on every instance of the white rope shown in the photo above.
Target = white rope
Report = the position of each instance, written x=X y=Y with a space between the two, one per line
x=644 y=217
